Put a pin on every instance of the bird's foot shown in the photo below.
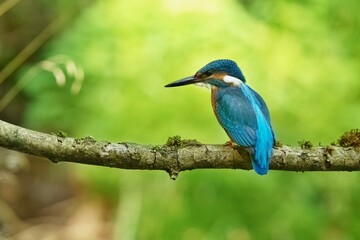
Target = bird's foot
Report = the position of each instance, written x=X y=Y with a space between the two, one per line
x=230 y=144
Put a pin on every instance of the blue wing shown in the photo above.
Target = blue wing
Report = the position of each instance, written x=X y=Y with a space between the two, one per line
x=244 y=116
x=236 y=116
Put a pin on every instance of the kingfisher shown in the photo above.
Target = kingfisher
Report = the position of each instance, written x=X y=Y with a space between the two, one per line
x=240 y=110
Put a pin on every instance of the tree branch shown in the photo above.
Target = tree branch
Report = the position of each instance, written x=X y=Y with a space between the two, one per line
x=173 y=157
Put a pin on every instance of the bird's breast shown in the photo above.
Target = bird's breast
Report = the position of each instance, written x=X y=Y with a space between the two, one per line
x=214 y=92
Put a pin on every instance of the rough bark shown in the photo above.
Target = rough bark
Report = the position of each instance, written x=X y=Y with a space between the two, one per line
x=173 y=157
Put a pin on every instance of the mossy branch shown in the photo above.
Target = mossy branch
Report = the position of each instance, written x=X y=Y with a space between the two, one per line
x=175 y=156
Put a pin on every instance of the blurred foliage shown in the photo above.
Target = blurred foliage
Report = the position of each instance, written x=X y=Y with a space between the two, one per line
x=301 y=56
x=18 y=29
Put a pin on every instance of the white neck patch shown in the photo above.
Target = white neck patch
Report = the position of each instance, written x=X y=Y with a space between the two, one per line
x=235 y=81
x=205 y=85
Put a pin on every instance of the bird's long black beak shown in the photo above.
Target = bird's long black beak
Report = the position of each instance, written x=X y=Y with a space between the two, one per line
x=183 y=82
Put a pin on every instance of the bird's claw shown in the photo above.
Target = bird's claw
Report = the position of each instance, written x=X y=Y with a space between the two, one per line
x=230 y=144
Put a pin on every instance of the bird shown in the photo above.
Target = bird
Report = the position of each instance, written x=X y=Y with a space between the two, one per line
x=239 y=109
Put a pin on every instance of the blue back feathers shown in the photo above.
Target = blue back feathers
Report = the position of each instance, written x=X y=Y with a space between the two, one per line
x=262 y=151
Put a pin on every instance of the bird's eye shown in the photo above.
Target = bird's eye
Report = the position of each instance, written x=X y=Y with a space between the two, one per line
x=203 y=74
x=207 y=73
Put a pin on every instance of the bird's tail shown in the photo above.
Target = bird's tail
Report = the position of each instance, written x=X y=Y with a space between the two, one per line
x=260 y=169
x=260 y=159
x=263 y=147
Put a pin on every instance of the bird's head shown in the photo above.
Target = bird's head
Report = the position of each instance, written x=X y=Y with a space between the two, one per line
x=218 y=73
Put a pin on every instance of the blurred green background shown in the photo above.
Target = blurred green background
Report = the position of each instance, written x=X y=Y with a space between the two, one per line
x=301 y=56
